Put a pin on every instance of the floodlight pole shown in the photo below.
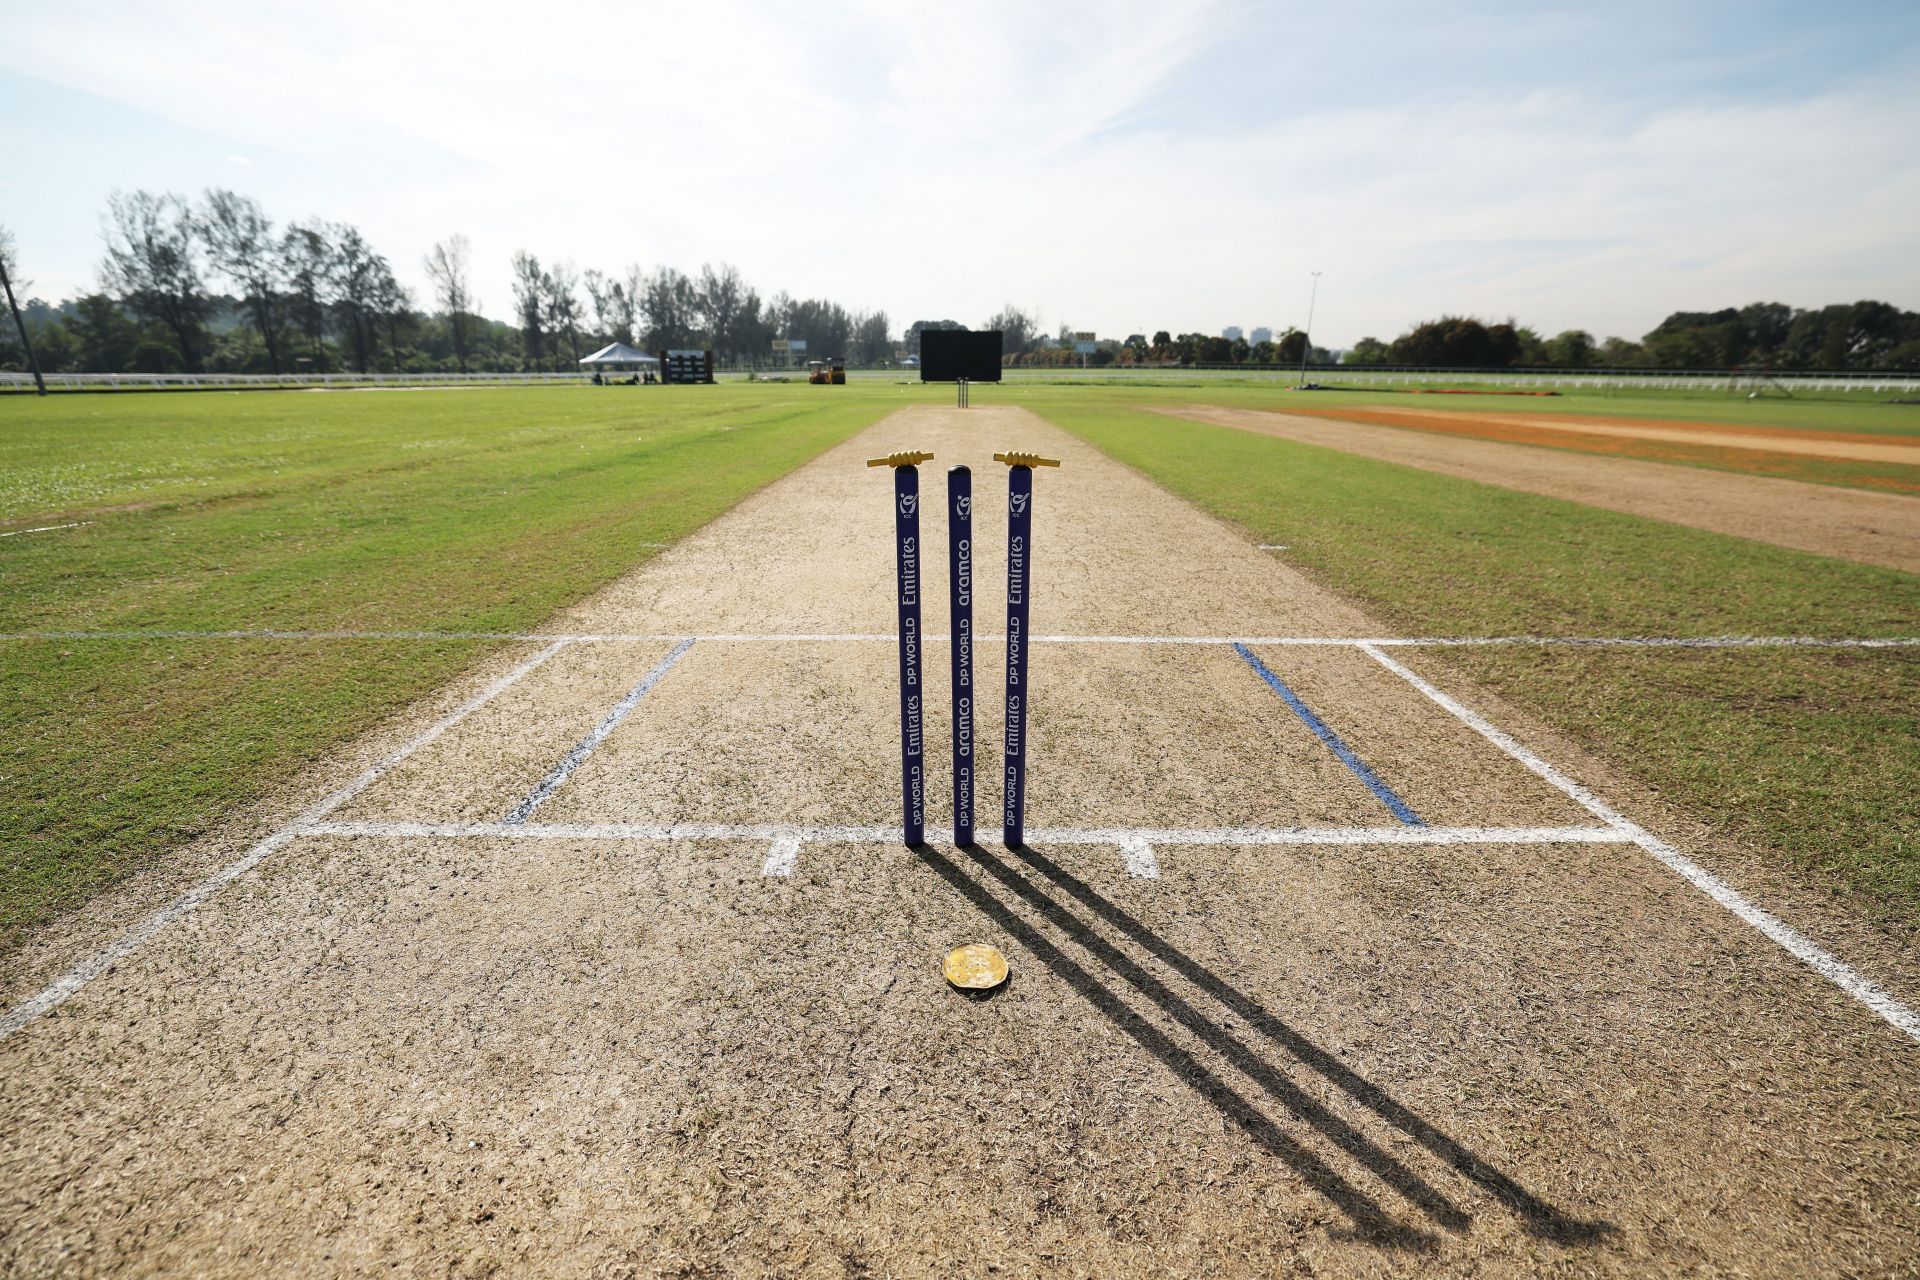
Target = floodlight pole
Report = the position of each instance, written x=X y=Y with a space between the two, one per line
x=1306 y=348
x=39 y=382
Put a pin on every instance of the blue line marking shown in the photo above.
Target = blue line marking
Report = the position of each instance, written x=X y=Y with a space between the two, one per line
x=576 y=757
x=1400 y=808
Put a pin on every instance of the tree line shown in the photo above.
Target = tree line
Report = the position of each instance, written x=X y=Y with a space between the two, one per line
x=1763 y=335
x=215 y=285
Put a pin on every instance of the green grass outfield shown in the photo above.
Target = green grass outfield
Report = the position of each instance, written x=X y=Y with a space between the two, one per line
x=1810 y=756
x=430 y=510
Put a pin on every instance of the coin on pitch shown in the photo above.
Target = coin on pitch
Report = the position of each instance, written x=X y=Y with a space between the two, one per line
x=976 y=967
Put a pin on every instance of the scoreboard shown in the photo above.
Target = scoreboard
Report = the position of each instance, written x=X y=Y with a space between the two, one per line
x=686 y=366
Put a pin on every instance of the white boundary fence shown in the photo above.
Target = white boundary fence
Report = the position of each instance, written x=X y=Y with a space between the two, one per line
x=12 y=381
x=1886 y=382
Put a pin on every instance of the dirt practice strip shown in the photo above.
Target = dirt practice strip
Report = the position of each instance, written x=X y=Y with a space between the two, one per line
x=691 y=1020
x=1872 y=528
x=1817 y=444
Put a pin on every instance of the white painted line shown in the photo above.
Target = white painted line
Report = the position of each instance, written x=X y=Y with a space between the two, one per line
x=782 y=857
x=65 y=986
x=1138 y=855
x=888 y=637
x=587 y=745
x=1274 y=546
x=1799 y=945
x=760 y=833
x=47 y=528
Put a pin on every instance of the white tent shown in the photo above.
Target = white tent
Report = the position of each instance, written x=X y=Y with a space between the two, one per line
x=618 y=357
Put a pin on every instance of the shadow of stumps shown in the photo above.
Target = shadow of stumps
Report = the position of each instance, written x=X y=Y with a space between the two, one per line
x=1539 y=1218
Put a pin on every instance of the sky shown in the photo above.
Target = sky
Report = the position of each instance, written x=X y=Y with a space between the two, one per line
x=1124 y=167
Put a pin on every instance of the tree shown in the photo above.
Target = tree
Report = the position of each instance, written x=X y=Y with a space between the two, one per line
x=825 y=326
x=671 y=303
x=103 y=337
x=560 y=292
x=153 y=263
x=394 y=305
x=9 y=271
x=634 y=288
x=719 y=297
x=241 y=247
x=612 y=313
x=1618 y=353
x=1367 y=351
x=447 y=269
x=871 y=343
x=354 y=273
x=1016 y=328
x=306 y=262
x=918 y=327
x=1457 y=342
x=529 y=299
x=1571 y=349
x=1767 y=325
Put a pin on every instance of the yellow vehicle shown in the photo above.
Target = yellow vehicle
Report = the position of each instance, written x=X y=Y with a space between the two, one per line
x=827 y=373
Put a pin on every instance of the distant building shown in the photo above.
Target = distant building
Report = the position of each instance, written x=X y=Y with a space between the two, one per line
x=1232 y=333
x=1260 y=335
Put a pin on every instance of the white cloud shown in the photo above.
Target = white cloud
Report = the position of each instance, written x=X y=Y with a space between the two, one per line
x=942 y=160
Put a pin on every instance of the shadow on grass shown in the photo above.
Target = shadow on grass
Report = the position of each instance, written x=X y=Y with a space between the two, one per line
x=1368 y=1219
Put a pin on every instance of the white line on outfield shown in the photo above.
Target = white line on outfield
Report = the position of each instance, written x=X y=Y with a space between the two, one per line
x=64 y=987
x=47 y=528
x=870 y=637
x=587 y=745
x=1799 y=945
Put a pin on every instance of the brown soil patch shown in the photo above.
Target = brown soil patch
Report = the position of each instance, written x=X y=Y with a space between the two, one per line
x=1822 y=444
x=602 y=1057
x=1873 y=528
x=1880 y=465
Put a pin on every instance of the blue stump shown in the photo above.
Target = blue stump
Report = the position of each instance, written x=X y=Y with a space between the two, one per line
x=960 y=600
x=1019 y=591
x=913 y=780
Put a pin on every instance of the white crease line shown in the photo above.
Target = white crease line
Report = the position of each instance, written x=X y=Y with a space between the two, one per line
x=1138 y=855
x=1804 y=949
x=760 y=833
x=47 y=528
x=874 y=637
x=64 y=987
x=782 y=856
x=1274 y=546
x=587 y=745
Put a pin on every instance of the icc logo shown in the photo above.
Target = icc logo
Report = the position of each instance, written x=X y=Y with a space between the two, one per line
x=1017 y=503
x=909 y=503
x=964 y=505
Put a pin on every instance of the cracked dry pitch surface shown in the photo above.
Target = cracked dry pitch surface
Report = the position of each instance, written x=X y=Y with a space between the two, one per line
x=1853 y=524
x=594 y=1057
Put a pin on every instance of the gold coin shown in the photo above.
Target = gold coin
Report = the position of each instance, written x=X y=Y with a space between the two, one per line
x=976 y=967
